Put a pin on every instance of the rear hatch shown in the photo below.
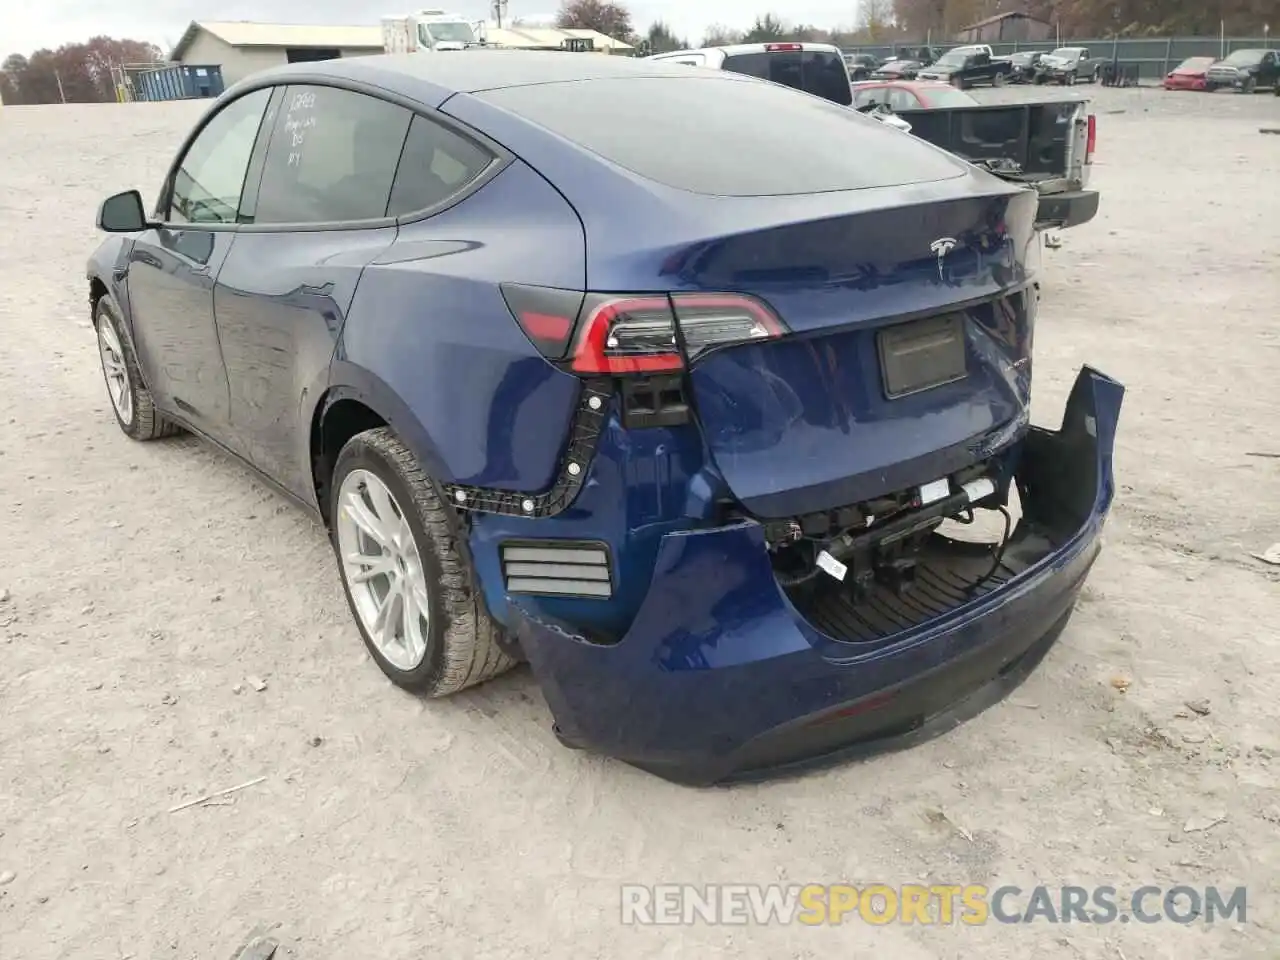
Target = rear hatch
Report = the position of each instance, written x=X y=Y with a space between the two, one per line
x=849 y=310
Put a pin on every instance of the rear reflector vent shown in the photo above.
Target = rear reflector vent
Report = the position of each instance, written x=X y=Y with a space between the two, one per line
x=557 y=568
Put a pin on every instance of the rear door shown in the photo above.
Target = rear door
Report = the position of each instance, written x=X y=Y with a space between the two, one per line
x=821 y=73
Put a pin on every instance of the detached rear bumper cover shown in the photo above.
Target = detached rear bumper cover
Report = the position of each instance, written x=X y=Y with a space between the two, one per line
x=720 y=677
x=1064 y=210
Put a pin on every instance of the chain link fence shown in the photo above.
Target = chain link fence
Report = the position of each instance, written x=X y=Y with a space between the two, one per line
x=1148 y=59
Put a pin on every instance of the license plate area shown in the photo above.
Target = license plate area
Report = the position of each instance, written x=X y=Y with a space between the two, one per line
x=921 y=354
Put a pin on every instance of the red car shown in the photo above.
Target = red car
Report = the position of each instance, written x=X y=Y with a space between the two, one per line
x=1189 y=75
x=910 y=94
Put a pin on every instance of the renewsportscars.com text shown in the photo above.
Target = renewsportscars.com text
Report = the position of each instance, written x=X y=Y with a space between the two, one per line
x=932 y=904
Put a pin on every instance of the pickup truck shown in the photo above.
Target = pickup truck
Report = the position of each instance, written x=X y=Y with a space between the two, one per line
x=1069 y=65
x=1048 y=146
x=966 y=67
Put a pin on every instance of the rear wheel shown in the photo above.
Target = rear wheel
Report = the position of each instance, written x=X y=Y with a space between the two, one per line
x=998 y=80
x=130 y=399
x=408 y=581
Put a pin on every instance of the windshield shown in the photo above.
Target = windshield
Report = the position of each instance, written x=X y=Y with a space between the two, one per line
x=1244 y=58
x=1195 y=62
x=458 y=32
x=955 y=58
x=798 y=144
x=1066 y=53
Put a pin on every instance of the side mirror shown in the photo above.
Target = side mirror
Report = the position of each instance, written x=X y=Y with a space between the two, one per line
x=123 y=213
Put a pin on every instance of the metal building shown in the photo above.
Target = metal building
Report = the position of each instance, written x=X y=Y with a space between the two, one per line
x=241 y=48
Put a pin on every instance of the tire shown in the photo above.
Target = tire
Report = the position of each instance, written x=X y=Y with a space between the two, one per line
x=1097 y=72
x=997 y=80
x=1249 y=85
x=460 y=643
x=130 y=399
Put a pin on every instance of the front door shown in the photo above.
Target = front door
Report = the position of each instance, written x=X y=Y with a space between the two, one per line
x=172 y=270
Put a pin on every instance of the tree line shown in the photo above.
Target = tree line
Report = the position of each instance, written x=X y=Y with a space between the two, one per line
x=894 y=21
x=74 y=73
x=83 y=72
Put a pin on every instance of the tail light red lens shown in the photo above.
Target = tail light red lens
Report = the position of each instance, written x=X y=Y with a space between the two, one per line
x=653 y=334
x=1092 y=142
x=547 y=315
x=619 y=334
x=773 y=47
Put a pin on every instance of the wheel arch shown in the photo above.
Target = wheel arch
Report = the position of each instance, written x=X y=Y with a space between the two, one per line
x=357 y=400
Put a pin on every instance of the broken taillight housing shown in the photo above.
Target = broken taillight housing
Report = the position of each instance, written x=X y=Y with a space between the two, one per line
x=619 y=334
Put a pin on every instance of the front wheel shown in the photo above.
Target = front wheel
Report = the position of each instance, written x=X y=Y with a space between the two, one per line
x=1071 y=80
x=1249 y=85
x=408 y=581
x=131 y=401
x=998 y=80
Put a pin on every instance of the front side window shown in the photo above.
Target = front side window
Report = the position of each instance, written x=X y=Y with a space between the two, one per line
x=209 y=182
x=435 y=165
x=332 y=157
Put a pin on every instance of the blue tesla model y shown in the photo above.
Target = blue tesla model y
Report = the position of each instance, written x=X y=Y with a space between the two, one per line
x=678 y=384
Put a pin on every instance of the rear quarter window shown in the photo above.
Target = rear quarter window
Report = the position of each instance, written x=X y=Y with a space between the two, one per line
x=693 y=133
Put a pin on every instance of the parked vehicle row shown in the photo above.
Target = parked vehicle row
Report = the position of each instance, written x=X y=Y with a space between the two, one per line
x=1244 y=71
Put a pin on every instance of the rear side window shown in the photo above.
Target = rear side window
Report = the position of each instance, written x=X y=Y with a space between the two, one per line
x=332 y=157
x=818 y=72
x=693 y=133
x=436 y=164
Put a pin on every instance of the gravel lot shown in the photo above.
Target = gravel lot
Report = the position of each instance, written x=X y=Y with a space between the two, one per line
x=144 y=584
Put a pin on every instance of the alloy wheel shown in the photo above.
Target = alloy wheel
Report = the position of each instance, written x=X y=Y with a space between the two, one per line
x=115 y=370
x=383 y=569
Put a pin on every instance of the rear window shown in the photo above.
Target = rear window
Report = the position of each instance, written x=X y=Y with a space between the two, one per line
x=819 y=72
x=694 y=132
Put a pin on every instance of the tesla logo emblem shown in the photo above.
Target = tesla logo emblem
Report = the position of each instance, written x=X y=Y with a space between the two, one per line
x=942 y=246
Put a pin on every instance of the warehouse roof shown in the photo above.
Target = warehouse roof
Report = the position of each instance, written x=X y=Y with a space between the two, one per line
x=242 y=33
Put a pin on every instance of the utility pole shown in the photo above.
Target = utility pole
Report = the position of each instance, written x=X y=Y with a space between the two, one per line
x=61 y=93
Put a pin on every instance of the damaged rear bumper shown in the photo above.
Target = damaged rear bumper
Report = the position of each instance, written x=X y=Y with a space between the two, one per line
x=1063 y=210
x=723 y=676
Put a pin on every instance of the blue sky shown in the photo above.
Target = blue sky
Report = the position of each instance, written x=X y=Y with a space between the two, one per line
x=28 y=26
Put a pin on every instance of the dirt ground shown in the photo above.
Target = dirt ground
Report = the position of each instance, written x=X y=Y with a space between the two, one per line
x=145 y=584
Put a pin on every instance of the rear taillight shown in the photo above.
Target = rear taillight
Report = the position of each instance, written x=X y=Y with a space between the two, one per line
x=547 y=315
x=654 y=334
x=618 y=334
x=1092 y=142
x=777 y=47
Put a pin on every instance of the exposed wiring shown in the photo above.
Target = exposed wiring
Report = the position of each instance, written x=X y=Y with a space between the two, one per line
x=999 y=554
